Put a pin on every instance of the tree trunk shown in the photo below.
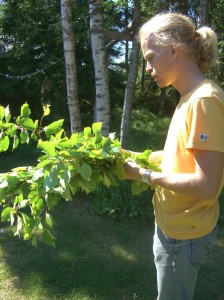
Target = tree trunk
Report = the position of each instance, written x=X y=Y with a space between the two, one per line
x=133 y=72
x=71 y=76
x=203 y=13
x=102 y=102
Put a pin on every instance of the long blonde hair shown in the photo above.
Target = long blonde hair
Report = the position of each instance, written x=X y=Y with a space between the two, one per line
x=167 y=28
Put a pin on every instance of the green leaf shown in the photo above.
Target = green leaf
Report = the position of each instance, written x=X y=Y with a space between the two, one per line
x=65 y=178
x=49 y=220
x=52 y=200
x=96 y=127
x=46 y=109
x=2 y=112
x=2 y=195
x=48 y=238
x=66 y=194
x=138 y=187
x=38 y=174
x=39 y=205
x=34 y=136
x=28 y=124
x=51 y=181
x=47 y=147
x=12 y=130
x=87 y=131
x=4 y=144
x=5 y=216
x=44 y=163
x=53 y=128
x=25 y=111
x=120 y=171
x=34 y=241
x=86 y=171
x=15 y=142
x=24 y=136
x=7 y=114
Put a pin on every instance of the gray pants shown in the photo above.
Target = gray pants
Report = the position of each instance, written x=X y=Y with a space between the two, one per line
x=178 y=262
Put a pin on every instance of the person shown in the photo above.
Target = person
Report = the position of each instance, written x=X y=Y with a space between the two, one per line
x=192 y=163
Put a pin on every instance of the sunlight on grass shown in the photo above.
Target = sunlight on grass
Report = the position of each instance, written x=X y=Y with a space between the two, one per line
x=122 y=253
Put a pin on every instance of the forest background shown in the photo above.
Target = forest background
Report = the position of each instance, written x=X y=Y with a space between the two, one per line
x=33 y=67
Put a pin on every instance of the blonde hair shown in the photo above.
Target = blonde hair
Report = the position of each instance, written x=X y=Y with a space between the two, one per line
x=167 y=28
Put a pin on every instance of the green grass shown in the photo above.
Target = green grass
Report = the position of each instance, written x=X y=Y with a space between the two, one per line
x=96 y=257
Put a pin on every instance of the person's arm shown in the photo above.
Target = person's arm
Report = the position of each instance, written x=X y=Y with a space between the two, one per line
x=204 y=182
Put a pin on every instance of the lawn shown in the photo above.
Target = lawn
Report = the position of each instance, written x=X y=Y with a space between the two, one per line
x=95 y=258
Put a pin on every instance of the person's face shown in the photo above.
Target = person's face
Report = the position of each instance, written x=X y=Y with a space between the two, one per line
x=160 y=62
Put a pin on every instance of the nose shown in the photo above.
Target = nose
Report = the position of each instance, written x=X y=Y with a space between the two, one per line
x=148 y=67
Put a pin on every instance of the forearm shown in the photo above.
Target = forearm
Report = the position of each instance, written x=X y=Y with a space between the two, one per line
x=187 y=184
x=204 y=182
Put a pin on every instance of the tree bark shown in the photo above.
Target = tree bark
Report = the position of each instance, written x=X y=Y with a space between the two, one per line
x=70 y=64
x=102 y=102
x=133 y=73
x=203 y=13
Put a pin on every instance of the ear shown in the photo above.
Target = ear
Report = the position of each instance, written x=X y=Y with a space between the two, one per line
x=173 y=50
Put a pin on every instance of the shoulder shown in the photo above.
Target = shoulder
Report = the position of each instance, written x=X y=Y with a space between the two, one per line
x=207 y=91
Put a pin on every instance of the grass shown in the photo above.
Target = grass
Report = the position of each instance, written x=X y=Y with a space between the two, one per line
x=96 y=257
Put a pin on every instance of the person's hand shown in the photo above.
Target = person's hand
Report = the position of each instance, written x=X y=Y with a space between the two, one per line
x=131 y=170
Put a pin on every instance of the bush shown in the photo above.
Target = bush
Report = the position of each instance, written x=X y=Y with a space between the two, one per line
x=118 y=202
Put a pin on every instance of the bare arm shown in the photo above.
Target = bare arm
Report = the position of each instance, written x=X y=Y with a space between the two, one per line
x=204 y=182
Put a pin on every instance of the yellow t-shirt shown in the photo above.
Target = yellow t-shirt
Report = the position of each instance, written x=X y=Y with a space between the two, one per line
x=198 y=123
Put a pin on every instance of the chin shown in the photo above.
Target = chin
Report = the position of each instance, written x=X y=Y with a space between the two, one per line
x=162 y=84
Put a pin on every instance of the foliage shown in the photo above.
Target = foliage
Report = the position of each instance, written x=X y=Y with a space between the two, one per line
x=118 y=202
x=68 y=165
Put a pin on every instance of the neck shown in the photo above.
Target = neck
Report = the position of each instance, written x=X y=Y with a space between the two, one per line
x=192 y=76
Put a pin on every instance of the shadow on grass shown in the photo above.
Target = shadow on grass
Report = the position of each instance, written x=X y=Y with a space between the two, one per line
x=95 y=258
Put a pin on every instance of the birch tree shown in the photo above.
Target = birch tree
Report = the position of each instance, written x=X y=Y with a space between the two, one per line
x=133 y=73
x=70 y=65
x=203 y=13
x=102 y=101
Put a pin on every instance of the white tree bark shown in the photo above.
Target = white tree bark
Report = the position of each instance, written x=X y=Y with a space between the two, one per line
x=133 y=73
x=102 y=101
x=203 y=13
x=71 y=76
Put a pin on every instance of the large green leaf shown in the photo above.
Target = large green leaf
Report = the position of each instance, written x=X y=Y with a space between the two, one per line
x=5 y=216
x=51 y=180
x=4 y=143
x=96 y=127
x=86 y=171
x=138 y=187
x=53 y=128
x=25 y=111
x=48 y=147
x=28 y=123
x=24 y=136
x=48 y=238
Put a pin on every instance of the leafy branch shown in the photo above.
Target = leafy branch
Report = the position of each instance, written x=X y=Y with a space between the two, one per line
x=67 y=165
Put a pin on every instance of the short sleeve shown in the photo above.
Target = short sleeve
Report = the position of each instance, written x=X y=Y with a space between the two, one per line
x=205 y=122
